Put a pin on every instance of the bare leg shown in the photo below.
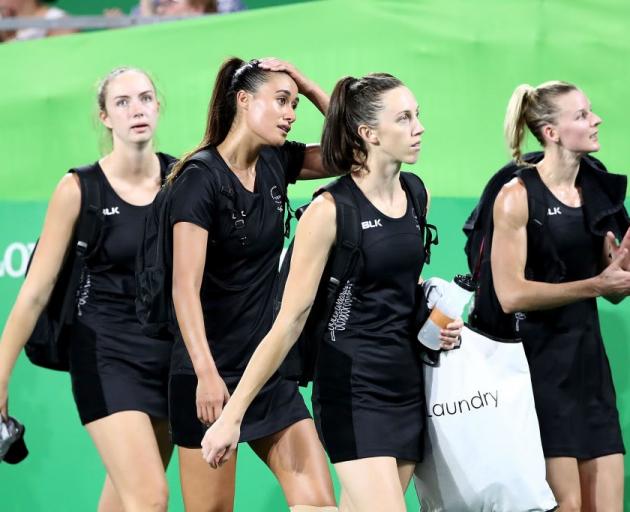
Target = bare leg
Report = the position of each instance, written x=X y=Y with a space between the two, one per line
x=371 y=485
x=564 y=479
x=205 y=489
x=297 y=459
x=129 y=449
x=601 y=481
x=110 y=501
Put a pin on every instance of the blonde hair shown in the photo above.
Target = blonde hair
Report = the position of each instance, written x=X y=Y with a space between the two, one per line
x=533 y=107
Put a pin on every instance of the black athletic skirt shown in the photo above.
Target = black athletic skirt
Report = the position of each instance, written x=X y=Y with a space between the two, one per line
x=114 y=367
x=277 y=406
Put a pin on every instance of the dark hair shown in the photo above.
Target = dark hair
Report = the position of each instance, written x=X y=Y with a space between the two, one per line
x=533 y=107
x=235 y=75
x=354 y=101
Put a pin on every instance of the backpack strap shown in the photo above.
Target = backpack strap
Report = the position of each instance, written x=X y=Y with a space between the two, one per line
x=226 y=191
x=418 y=195
x=87 y=233
x=346 y=253
x=536 y=201
x=166 y=165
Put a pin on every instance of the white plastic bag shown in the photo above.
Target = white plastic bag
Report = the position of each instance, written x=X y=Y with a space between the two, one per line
x=483 y=448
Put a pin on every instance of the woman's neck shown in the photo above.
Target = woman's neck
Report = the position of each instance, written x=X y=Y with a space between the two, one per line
x=239 y=149
x=559 y=167
x=132 y=161
x=379 y=178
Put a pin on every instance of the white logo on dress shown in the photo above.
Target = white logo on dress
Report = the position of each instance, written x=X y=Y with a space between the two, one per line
x=341 y=313
x=376 y=223
x=111 y=211
x=556 y=211
x=277 y=198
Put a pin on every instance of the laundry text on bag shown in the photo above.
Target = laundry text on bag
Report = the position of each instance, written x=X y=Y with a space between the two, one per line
x=478 y=401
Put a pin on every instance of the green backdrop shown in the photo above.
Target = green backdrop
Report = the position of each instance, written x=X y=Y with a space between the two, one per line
x=461 y=58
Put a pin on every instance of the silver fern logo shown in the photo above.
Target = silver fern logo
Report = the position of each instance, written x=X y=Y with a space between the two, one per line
x=341 y=314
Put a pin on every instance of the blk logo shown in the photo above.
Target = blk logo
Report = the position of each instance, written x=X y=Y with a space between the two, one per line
x=111 y=211
x=554 y=211
x=368 y=224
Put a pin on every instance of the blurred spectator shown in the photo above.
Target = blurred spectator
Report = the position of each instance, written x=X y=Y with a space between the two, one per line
x=186 y=7
x=32 y=8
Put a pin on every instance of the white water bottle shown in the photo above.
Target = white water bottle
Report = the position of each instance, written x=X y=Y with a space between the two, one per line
x=449 y=305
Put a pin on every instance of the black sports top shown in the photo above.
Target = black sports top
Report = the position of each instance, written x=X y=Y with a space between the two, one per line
x=111 y=270
x=376 y=311
x=243 y=253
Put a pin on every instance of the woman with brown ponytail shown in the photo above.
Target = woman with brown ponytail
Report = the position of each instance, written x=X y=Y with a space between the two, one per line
x=553 y=284
x=228 y=226
x=367 y=390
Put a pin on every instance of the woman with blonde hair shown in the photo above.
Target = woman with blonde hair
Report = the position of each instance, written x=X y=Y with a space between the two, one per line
x=553 y=284
x=119 y=375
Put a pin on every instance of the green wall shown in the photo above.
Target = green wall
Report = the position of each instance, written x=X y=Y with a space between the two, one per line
x=462 y=59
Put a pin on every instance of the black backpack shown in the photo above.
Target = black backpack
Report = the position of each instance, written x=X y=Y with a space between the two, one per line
x=47 y=346
x=487 y=315
x=154 y=261
x=344 y=263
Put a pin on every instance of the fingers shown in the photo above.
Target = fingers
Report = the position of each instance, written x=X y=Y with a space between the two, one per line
x=274 y=64
x=450 y=337
x=617 y=259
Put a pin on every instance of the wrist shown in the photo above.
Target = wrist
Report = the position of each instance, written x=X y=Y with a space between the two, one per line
x=231 y=414
x=596 y=286
x=204 y=371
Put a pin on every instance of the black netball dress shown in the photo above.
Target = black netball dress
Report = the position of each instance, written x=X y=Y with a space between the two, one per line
x=571 y=378
x=368 y=389
x=114 y=367
x=245 y=241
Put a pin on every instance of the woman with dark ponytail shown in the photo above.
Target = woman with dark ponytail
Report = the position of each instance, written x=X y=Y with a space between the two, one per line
x=228 y=224
x=367 y=390
x=552 y=275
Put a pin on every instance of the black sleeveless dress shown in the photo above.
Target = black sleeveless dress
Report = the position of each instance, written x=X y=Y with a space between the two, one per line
x=237 y=290
x=571 y=378
x=115 y=367
x=368 y=393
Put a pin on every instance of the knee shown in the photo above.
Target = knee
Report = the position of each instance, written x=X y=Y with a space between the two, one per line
x=152 y=498
x=571 y=503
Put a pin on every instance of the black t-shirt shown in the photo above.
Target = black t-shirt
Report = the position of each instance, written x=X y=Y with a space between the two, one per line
x=244 y=246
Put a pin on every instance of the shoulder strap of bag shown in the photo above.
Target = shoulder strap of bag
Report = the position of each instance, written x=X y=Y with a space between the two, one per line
x=535 y=195
x=418 y=194
x=347 y=250
x=88 y=230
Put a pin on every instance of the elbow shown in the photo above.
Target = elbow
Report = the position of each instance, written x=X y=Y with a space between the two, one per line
x=510 y=302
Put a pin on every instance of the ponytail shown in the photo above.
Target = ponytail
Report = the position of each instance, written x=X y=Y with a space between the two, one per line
x=533 y=107
x=354 y=102
x=514 y=124
x=342 y=148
